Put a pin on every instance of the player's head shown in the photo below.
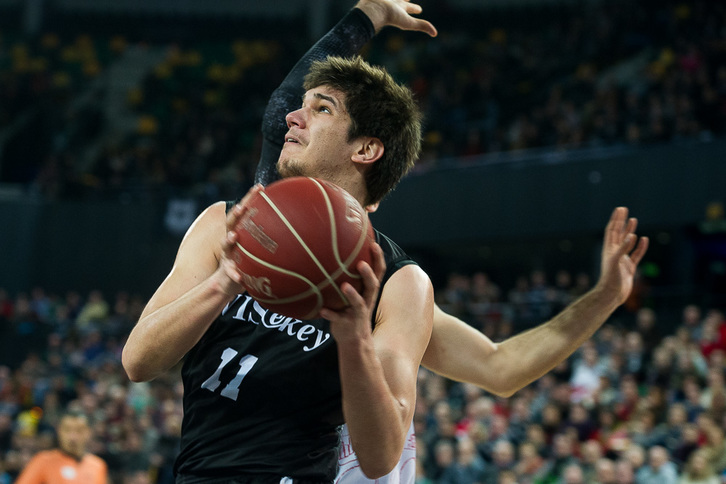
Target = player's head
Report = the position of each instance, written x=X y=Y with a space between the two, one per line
x=381 y=131
x=74 y=433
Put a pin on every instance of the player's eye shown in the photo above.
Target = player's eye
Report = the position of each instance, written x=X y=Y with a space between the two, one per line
x=324 y=109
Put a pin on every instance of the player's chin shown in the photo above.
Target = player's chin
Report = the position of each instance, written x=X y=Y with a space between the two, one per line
x=287 y=168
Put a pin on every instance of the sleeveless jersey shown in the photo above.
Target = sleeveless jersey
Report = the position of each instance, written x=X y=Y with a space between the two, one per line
x=349 y=469
x=262 y=397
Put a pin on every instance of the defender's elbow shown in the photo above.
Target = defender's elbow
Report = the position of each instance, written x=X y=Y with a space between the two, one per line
x=505 y=392
x=378 y=469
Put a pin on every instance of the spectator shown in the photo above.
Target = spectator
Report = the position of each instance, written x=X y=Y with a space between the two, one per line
x=698 y=471
x=562 y=456
x=531 y=467
x=586 y=374
x=604 y=472
x=691 y=320
x=624 y=473
x=573 y=474
x=635 y=456
x=70 y=462
x=468 y=468
x=443 y=459
x=659 y=470
x=503 y=459
x=94 y=312
x=714 y=450
x=590 y=454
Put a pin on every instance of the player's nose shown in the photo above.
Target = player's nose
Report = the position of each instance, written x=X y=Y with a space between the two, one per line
x=295 y=118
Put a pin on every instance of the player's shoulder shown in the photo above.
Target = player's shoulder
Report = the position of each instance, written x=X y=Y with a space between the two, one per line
x=212 y=218
x=47 y=455
x=46 y=459
x=391 y=250
x=95 y=460
x=217 y=209
x=396 y=258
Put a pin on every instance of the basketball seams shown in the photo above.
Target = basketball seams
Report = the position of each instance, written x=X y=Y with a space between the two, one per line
x=302 y=243
x=344 y=216
x=313 y=288
x=343 y=266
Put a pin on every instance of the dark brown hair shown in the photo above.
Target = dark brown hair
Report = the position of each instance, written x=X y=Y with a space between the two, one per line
x=378 y=107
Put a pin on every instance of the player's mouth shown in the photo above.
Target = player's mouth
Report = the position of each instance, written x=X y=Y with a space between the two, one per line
x=292 y=139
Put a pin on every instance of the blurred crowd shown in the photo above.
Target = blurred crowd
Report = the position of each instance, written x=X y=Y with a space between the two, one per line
x=641 y=402
x=592 y=74
x=63 y=353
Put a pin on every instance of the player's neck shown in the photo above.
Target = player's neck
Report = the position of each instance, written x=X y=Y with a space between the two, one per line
x=72 y=455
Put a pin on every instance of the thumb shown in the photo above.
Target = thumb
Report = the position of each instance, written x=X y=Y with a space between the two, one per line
x=426 y=27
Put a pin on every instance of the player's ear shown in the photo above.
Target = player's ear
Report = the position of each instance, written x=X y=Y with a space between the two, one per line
x=372 y=207
x=369 y=149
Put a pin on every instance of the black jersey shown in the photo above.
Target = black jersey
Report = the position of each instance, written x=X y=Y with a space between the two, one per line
x=262 y=397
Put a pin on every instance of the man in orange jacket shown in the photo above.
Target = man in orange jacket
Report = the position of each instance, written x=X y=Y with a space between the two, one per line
x=69 y=463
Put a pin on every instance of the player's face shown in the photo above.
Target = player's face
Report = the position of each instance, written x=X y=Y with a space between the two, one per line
x=73 y=435
x=316 y=143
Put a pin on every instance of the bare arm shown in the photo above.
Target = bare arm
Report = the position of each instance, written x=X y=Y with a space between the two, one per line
x=202 y=281
x=378 y=370
x=459 y=352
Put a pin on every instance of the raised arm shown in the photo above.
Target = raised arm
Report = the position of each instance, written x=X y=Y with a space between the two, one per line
x=345 y=39
x=378 y=369
x=459 y=352
x=201 y=282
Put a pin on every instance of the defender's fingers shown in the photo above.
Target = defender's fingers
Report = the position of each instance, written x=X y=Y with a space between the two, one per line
x=640 y=250
x=412 y=8
x=627 y=245
x=631 y=226
x=614 y=228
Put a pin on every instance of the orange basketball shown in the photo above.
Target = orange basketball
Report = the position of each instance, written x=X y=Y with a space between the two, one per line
x=298 y=241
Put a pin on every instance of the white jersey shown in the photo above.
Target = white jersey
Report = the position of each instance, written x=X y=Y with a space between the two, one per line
x=349 y=470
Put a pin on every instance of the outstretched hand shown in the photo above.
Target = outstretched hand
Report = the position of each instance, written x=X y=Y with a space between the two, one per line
x=621 y=254
x=396 y=13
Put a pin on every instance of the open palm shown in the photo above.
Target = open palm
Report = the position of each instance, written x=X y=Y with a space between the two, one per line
x=622 y=252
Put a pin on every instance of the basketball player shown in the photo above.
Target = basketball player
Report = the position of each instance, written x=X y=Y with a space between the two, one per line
x=265 y=395
x=70 y=462
x=456 y=350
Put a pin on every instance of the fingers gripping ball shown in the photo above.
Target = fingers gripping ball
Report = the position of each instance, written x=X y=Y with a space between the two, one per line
x=298 y=241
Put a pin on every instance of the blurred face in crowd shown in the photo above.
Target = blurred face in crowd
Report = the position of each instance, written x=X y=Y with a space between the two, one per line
x=73 y=435
x=573 y=475
x=444 y=454
x=635 y=455
x=503 y=453
x=691 y=315
x=624 y=472
x=657 y=457
x=466 y=451
x=605 y=471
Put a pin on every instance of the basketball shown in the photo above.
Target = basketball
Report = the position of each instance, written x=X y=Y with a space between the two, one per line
x=298 y=241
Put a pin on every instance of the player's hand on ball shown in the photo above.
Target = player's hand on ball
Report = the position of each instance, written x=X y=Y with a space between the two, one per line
x=232 y=281
x=354 y=321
